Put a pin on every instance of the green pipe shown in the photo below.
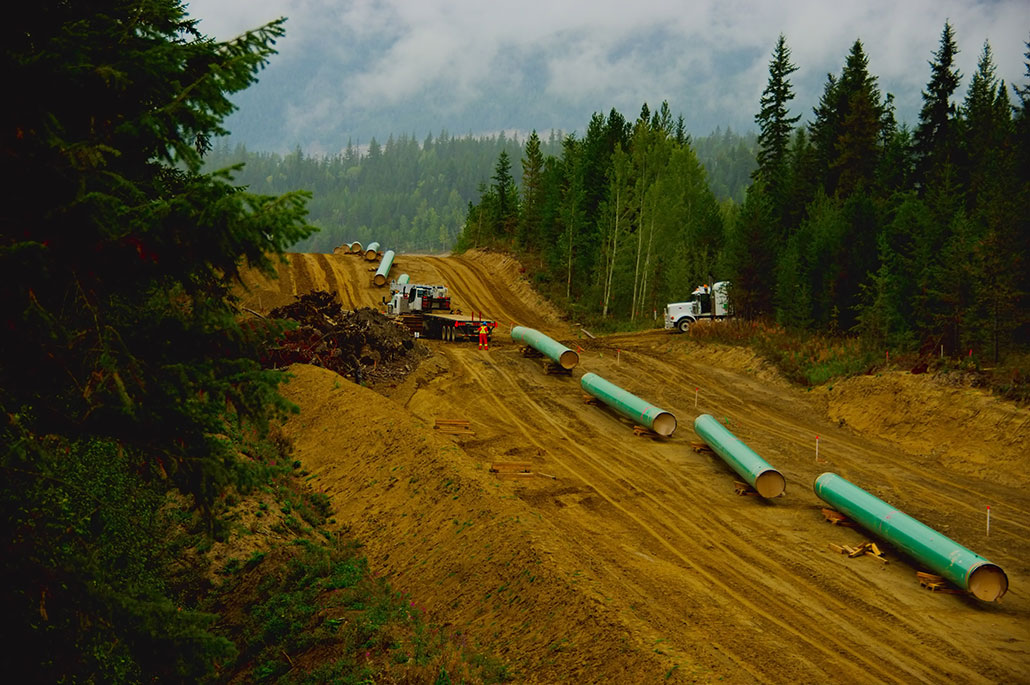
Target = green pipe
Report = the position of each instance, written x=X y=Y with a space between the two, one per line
x=629 y=405
x=553 y=350
x=355 y=246
x=756 y=471
x=372 y=251
x=943 y=556
x=404 y=278
x=384 y=269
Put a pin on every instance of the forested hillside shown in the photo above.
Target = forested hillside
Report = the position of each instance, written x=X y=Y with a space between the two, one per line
x=913 y=237
x=415 y=196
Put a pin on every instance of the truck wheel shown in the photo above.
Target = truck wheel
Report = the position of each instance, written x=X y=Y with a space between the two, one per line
x=683 y=325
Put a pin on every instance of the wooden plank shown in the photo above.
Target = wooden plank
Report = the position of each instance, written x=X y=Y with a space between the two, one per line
x=837 y=548
x=860 y=550
x=645 y=431
x=453 y=426
x=742 y=488
x=837 y=518
x=509 y=466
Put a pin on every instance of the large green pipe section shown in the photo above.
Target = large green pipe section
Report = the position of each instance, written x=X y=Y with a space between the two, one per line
x=629 y=405
x=372 y=251
x=942 y=555
x=553 y=350
x=355 y=247
x=404 y=278
x=766 y=480
x=384 y=269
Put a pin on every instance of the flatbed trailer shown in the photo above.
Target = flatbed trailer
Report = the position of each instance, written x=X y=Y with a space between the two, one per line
x=441 y=326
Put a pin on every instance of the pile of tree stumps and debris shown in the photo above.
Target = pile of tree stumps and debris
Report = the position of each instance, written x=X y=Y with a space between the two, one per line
x=363 y=344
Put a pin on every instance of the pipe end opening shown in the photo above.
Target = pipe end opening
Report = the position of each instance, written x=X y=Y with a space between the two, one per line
x=380 y=280
x=770 y=484
x=664 y=424
x=568 y=359
x=988 y=582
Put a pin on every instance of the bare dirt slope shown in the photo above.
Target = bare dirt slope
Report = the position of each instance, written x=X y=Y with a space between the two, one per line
x=637 y=560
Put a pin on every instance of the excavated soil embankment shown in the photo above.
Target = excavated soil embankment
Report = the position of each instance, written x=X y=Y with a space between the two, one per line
x=625 y=559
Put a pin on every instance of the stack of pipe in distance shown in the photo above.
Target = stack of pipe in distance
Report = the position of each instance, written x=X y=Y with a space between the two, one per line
x=384 y=269
x=629 y=405
x=372 y=251
x=945 y=557
x=553 y=350
x=766 y=480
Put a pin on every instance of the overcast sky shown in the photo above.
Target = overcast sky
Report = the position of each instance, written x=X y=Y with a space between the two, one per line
x=384 y=64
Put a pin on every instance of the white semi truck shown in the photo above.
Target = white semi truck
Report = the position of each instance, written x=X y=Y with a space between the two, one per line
x=706 y=302
x=426 y=310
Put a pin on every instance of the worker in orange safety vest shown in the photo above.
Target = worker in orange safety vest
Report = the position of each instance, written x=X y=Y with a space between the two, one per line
x=484 y=341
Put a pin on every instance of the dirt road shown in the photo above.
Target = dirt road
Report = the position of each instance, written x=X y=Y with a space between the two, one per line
x=632 y=559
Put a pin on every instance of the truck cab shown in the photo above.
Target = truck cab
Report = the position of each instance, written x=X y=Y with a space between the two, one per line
x=706 y=302
x=409 y=298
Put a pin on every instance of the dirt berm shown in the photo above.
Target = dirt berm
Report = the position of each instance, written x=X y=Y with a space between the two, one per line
x=630 y=560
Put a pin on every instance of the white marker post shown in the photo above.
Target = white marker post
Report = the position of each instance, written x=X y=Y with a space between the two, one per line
x=817 y=448
x=988 y=520
x=618 y=356
x=695 y=397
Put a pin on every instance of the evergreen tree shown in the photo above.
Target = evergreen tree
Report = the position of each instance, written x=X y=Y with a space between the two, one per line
x=823 y=132
x=505 y=195
x=859 y=117
x=935 y=137
x=879 y=313
x=124 y=364
x=532 y=191
x=751 y=258
x=823 y=238
x=994 y=208
x=793 y=293
x=1021 y=160
x=986 y=125
x=775 y=127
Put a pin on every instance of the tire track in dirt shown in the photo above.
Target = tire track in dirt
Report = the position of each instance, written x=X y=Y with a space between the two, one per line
x=673 y=554
x=924 y=494
x=727 y=579
x=332 y=283
x=342 y=270
x=919 y=483
x=472 y=284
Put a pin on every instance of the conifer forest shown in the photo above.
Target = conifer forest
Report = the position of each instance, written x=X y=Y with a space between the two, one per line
x=853 y=222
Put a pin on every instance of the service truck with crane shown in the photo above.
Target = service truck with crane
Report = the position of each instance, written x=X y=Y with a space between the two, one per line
x=706 y=302
x=426 y=311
